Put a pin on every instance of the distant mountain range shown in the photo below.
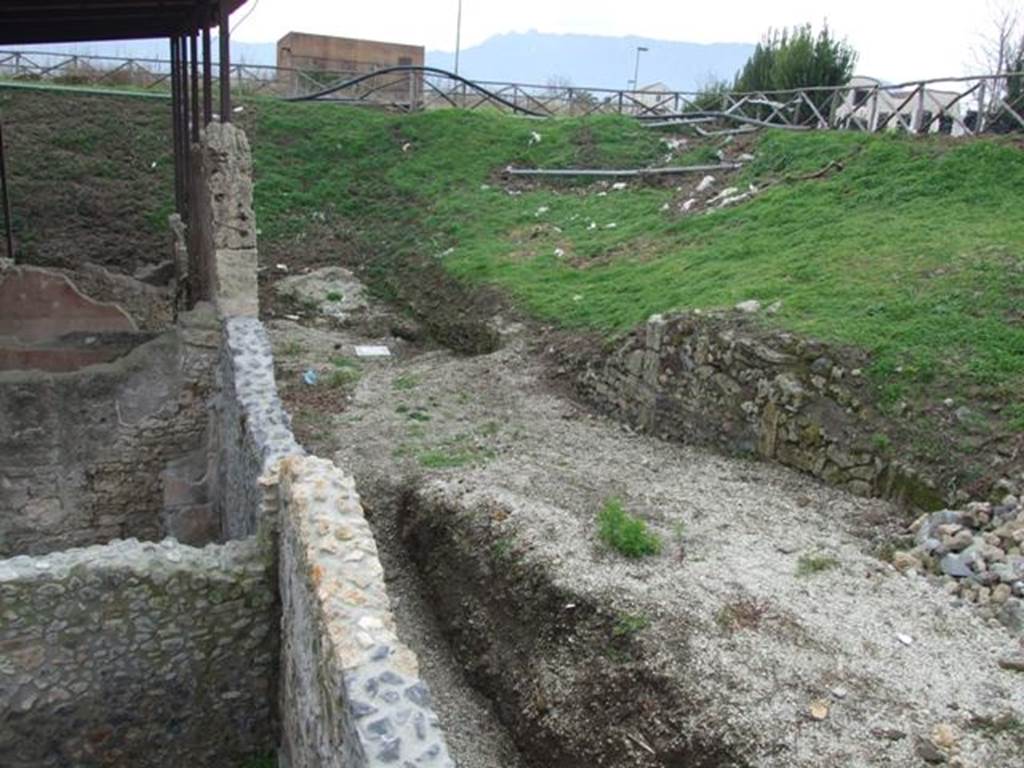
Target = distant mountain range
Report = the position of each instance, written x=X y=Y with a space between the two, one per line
x=608 y=62
x=524 y=57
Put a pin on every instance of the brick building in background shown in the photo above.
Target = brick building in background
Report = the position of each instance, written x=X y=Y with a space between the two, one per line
x=328 y=59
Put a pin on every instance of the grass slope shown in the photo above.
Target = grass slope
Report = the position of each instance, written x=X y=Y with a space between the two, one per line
x=915 y=251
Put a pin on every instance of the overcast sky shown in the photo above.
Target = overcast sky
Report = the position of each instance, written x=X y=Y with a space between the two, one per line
x=897 y=40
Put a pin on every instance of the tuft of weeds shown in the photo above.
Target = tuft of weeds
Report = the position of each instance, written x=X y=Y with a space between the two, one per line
x=629 y=624
x=334 y=296
x=626 y=534
x=809 y=564
x=405 y=383
x=291 y=348
x=344 y=361
x=343 y=377
x=452 y=458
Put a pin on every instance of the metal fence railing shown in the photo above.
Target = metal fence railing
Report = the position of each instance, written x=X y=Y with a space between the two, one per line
x=958 y=106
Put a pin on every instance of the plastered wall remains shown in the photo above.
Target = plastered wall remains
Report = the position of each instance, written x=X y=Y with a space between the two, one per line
x=116 y=450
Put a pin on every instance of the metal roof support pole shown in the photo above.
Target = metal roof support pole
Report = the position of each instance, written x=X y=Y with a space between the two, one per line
x=8 y=224
x=183 y=110
x=193 y=42
x=207 y=67
x=225 y=62
x=176 y=128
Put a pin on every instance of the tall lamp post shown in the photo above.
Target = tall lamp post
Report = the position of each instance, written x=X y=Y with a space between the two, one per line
x=458 y=36
x=636 y=69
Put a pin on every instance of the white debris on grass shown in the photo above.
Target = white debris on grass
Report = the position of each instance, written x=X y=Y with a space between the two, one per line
x=706 y=183
x=750 y=306
x=542 y=210
x=592 y=225
x=688 y=204
x=372 y=350
x=618 y=186
x=534 y=138
x=559 y=253
x=612 y=225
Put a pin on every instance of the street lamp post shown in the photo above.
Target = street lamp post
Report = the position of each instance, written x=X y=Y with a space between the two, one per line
x=458 y=37
x=636 y=69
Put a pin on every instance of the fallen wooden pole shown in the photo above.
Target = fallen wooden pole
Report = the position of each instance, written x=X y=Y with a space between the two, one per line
x=622 y=172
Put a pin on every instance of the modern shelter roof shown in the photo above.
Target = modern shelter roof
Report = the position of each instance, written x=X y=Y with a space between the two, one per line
x=64 y=21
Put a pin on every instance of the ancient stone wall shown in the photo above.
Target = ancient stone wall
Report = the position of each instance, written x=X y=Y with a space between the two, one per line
x=115 y=450
x=351 y=696
x=254 y=430
x=719 y=379
x=349 y=692
x=138 y=654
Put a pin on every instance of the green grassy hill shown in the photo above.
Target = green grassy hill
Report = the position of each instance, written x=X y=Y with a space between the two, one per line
x=914 y=251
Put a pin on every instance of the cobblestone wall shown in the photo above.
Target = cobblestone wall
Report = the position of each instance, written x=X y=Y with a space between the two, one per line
x=115 y=450
x=137 y=654
x=254 y=430
x=351 y=695
x=718 y=379
x=349 y=690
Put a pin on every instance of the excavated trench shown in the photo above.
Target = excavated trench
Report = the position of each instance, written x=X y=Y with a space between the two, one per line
x=542 y=647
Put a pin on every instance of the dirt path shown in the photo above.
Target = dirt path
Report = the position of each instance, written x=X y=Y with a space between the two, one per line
x=764 y=587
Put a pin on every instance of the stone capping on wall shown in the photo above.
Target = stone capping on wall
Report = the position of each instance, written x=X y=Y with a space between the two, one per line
x=351 y=692
x=255 y=430
x=138 y=653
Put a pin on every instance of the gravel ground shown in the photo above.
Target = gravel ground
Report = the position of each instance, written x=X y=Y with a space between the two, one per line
x=889 y=658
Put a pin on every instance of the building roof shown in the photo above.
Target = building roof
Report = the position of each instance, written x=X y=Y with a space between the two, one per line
x=66 y=21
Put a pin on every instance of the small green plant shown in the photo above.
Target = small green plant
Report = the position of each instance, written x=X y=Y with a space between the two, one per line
x=502 y=548
x=811 y=564
x=405 y=383
x=344 y=361
x=628 y=624
x=401 y=408
x=291 y=348
x=1015 y=414
x=343 y=377
x=881 y=441
x=679 y=531
x=625 y=533
x=418 y=415
x=334 y=296
x=451 y=459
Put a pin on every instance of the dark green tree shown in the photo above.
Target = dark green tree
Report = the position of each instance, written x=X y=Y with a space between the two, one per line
x=797 y=58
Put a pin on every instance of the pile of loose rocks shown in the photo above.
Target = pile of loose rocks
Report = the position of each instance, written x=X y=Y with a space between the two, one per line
x=977 y=553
